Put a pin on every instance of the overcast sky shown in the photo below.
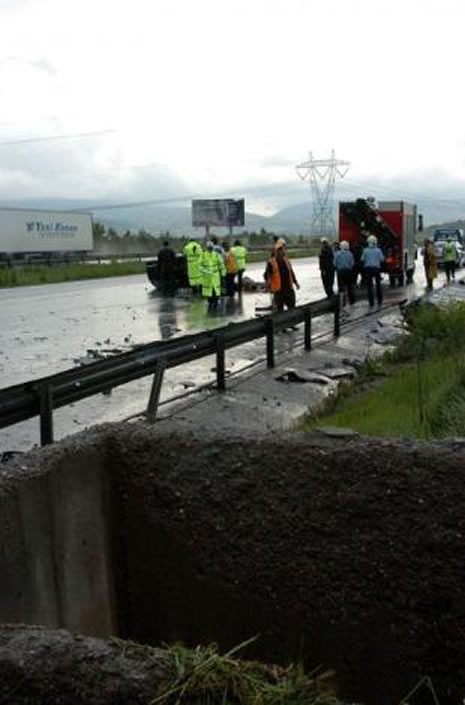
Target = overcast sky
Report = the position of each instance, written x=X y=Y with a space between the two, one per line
x=223 y=96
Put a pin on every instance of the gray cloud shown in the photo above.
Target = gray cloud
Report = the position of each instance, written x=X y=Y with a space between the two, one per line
x=72 y=169
x=279 y=161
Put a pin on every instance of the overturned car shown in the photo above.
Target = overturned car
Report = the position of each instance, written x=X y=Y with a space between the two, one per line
x=180 y=279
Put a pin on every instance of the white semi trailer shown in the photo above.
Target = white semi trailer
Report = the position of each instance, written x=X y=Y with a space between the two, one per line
x=25 y=233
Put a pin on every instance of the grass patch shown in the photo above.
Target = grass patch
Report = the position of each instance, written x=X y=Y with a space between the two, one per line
x=416 y=391
x=51 y=274
x=408 y=404
x=205 y=677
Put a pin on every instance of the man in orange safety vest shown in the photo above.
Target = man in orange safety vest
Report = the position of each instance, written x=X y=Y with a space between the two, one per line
x=280 y=279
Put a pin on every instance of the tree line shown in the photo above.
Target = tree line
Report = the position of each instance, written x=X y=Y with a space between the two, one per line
x=108 y=241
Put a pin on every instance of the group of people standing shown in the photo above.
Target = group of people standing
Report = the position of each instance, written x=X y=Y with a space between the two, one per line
x=215 y=270
x=338 y=263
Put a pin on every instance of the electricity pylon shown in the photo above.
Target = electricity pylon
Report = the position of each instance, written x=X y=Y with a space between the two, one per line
x=322 y=176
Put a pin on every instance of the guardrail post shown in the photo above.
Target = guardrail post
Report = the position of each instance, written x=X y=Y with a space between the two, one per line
x=269 y=329
x=308 y=329
x=154 y=398
x=337 y=315
x=45 y=392
x=220 y=366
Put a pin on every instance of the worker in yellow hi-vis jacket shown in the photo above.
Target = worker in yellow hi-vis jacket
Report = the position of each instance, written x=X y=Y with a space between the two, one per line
x=240 y=253
x=193 y=253
x=212 y=270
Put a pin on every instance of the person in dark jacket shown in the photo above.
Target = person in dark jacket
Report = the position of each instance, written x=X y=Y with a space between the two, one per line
x=327 y=267
x=167 y=269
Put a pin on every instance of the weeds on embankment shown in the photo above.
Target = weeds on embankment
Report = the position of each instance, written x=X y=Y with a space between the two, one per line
x=205 y=677
x=416 y=391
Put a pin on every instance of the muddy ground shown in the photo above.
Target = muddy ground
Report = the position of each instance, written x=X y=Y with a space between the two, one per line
x=344 y=552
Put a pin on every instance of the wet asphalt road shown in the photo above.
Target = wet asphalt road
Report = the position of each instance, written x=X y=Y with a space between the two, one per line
x=50 y=328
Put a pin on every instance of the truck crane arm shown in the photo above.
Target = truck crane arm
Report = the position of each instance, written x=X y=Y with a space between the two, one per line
x=367 y=218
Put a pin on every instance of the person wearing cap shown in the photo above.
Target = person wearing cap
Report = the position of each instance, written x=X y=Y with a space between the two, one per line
x=280 y=279
x=212 y=270
x=344 y=265
x=278 y=242
x=326 y=260
x=372 y=259
x=240 y=253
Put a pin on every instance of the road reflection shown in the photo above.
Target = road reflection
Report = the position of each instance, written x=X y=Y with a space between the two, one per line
x=167 y=318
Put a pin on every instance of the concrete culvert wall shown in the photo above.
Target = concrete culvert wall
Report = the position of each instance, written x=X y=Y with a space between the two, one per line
x=55 y=548
x=341 y=552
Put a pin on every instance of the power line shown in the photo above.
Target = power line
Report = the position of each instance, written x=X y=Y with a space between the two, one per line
x=262 y=189
x=186 y=198
x=135 y=204
x=50 y=138
x=401 y=192
x=265 y=189
x=133 y=167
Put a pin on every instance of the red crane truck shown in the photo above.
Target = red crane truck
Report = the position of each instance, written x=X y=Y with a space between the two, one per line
x=394 y=223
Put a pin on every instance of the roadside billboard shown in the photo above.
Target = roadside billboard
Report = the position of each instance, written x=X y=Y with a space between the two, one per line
x=220 y=212
x=23 y=230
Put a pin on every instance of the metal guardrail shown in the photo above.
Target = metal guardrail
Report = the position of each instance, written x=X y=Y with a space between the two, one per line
x=75 y=258
x=41 y=396
x=100 y=257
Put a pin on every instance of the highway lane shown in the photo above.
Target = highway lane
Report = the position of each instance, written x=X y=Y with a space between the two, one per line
x=50 y=328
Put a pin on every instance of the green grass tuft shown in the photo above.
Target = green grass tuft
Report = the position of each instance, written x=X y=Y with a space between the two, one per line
x=203 y=676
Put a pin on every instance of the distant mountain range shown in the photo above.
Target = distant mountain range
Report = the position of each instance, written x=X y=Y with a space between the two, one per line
x=294 y=219
x=176 y=219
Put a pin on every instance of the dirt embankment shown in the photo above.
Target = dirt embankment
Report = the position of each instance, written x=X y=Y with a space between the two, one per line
x=342 y=552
